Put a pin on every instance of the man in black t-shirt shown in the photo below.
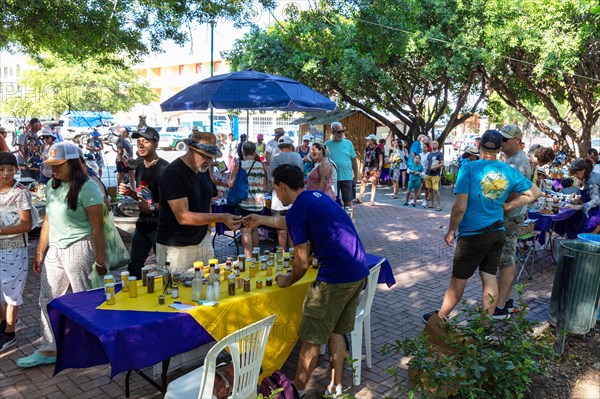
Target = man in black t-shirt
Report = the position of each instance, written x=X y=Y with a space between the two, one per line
x=186 y=190
x=147 y=196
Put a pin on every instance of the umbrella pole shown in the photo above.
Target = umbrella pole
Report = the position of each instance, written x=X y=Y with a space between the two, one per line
x=212 y=67
x=247 y=125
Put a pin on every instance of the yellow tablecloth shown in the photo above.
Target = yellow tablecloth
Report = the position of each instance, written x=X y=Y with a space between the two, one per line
x=235 y=312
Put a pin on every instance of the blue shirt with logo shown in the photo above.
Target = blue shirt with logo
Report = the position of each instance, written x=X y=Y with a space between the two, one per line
x=342 y=153
x=488 y=184
x=316 y=218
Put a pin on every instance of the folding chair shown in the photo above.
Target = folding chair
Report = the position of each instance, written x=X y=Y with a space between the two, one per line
x=526 y=251
x=247 y=348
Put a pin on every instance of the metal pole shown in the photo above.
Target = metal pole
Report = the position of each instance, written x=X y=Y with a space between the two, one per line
x=247 y=124
x=212 y=50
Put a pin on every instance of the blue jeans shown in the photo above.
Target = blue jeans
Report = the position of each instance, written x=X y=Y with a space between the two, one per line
x=141 y=244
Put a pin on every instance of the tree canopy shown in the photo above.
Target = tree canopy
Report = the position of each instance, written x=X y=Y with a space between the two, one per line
x=374 y=58
x=425 y=61
x=56 y=86
x=78 y=29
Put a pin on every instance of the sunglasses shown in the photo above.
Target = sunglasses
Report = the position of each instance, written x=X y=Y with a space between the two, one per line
x=338 y=131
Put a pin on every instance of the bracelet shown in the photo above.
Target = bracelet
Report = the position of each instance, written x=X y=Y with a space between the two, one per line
x=99 y=265
x=38 y=252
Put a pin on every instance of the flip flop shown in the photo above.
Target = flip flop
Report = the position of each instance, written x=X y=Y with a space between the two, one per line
x=36 y=359
x=438 y=209
x=372 y=203
x=430 y=207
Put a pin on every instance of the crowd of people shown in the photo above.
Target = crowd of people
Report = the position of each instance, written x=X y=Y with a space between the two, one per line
x=496 y=180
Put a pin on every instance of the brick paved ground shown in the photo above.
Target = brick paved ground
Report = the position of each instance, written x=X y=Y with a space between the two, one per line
x=411 y=239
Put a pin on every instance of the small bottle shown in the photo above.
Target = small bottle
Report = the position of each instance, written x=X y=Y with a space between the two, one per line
x=108 y=278
x=236 y=269
x=263 y=262
x=239 y=282
x=269 y=268
x=286 y=263
x=226 y=272
x=214 y=264
x=217 y=290
x=197 y=285
x=249 y=263
x=109 y=291
x=218 y=272
x=229 y=262
x=292 y=255
x=242 y=262
x=161 y=299
x=200 y=265
x=246 y=285
x=259 y=284
x=125 y=281
x=209 y=293
x=150 y=283
x=145 y=271
x=175 y=291
x=256 y=253
x=231 y=285
x=132 y=287
x=269 y=281
x=252 y=272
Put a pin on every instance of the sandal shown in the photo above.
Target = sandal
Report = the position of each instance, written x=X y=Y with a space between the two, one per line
x=358 y=201
x=36 y=359
x=430 y=207
x=438 y=209
x=372 y=203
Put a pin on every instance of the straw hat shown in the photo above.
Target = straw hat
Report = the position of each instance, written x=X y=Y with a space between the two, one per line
x=204 y=143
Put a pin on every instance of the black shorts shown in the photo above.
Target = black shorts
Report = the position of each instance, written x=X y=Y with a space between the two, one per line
x=481 y=250
x=345 y=187
x=123 y=168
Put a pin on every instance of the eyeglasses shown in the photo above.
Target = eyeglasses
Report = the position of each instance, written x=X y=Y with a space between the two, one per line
x=505 y=139
x=338 y=131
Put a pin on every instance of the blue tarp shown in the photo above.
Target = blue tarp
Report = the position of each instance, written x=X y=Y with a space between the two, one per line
x=86 y=119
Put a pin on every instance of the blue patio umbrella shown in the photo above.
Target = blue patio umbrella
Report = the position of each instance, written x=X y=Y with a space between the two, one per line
x=249 y=90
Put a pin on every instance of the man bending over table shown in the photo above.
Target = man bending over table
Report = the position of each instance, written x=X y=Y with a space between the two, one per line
x=330 y=304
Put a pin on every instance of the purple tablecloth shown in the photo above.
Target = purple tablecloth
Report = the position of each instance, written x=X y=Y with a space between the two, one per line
x=130 y=340
x=569 y=223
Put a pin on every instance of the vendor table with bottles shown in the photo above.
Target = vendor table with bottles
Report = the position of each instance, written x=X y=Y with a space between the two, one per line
x=87 y=335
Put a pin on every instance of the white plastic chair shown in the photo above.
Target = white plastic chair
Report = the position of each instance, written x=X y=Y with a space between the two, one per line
x=363 y=322
x=247 y=348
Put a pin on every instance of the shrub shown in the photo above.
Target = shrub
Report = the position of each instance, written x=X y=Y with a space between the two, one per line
x=488 y=359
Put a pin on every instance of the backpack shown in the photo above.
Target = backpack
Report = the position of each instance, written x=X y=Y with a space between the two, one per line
x=276 y=381
x=240 y=189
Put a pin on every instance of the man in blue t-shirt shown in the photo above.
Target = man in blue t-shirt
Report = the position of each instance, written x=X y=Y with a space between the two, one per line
x=481 y=189
x=342 y=153
x=330 y=304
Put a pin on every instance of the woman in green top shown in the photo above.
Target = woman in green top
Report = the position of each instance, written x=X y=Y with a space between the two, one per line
x=71 y=240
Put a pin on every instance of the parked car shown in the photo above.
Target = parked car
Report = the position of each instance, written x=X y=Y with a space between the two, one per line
x=171 y=137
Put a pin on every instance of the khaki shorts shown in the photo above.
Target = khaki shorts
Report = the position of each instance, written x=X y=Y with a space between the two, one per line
x=432 y=182
x=329 y=308
x=509 y=252
x=182 y=258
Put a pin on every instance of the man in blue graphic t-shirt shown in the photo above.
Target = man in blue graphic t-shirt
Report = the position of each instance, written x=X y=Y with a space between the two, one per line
x=330 y=304
x=477 y=219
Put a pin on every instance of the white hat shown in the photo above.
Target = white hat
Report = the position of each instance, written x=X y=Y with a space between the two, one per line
x=371 y=137
x=285 y=140
x=307 y=137
x=473 y=150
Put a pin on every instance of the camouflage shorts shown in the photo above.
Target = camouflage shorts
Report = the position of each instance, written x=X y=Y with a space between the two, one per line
x=512 y=227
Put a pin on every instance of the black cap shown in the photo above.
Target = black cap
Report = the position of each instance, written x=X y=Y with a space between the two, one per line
x=491 y=140
x=148 y=133
x=7 y=158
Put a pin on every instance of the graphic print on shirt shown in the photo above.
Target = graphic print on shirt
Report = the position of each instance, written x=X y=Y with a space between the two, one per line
x=493 y=185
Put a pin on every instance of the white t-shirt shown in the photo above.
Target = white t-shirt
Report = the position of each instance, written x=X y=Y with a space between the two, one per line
x=272 y=148
x=16 y=199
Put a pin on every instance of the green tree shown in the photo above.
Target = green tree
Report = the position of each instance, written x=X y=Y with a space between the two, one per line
x=55 y=86
x=349 y=51
x=77 y=29
x=545 y=54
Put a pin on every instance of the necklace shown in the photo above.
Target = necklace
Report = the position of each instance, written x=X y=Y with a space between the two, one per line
x=151 y=163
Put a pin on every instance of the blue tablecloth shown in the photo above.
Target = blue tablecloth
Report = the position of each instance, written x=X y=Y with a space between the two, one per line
x=568 y=222
x=130 y=340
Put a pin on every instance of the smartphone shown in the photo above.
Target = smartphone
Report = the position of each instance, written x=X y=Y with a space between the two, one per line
x=222 y=167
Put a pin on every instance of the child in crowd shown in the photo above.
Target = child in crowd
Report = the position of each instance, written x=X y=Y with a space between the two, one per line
x=15 y=222
x=415 y=171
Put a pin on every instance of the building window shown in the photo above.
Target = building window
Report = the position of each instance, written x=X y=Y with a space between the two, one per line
x=262 y=124
x=198 y=68
x=217 y=66
x=181 y=69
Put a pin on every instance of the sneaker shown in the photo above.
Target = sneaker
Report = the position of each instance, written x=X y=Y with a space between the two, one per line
x=501 y=314
x=426 y=316
x=509 y=306
x=7 y=341
x=411 y=202
x=414 y=206
x=405 y=205
x=425 y=204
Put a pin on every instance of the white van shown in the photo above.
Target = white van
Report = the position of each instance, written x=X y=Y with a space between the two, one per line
x=221 y=122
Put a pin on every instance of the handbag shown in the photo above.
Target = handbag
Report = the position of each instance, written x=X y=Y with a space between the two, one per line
x=240 y=189
x=115 y=250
